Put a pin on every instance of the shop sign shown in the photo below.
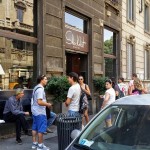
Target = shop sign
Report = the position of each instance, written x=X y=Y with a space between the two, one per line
x=76 y=40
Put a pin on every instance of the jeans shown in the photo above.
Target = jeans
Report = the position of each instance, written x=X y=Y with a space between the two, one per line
x=73 y=113
x=51 y=119
x=20 y=122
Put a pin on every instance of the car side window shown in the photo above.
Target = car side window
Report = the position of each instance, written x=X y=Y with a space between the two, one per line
x=129 y=126
x=105 y=127
x=131 y=115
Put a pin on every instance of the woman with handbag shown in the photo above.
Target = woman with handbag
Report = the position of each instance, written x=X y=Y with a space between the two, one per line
x=85 y=88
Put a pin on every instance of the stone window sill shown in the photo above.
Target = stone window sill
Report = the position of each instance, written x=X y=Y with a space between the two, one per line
x=147 y=32
x=131 y=22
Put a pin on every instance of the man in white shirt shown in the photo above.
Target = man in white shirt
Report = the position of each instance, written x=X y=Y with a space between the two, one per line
x=38 y=107
x=73 y=97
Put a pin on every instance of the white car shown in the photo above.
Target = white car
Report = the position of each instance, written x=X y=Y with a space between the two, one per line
x=129 y=130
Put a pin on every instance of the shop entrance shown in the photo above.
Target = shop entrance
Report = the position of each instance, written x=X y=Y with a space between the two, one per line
x=77 y=63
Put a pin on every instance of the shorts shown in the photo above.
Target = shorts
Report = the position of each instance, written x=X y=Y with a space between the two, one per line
x=73 y=113
x=39 y=123
x=108 y=117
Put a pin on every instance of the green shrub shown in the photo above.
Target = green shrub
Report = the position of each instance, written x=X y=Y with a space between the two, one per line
x=58 y=87
x=99 y=84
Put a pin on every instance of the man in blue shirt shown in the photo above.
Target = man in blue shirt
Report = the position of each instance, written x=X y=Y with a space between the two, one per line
x=13 y=112
x=38 y=108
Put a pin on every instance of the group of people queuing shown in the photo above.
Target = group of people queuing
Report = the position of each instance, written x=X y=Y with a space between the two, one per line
x=13 y=111
x=118 y=90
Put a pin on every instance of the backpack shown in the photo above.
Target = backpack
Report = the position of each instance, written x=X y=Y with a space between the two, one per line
x=32 y=99
x=83 y=102
x=121 y=94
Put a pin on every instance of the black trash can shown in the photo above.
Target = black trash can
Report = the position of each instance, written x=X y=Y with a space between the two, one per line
x=65 y=125
x=99 y=102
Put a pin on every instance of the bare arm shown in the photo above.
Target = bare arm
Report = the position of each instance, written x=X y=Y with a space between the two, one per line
x=67 y=102
x=117 y=93
x=144 y=91
x=42 y=103
x=130 y=89
x=87 y=90
x=107 y=97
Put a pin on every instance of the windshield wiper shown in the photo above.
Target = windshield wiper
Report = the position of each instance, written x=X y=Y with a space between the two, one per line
x=83 y=147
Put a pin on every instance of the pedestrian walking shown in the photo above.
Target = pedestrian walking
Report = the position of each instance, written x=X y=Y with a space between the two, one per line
x=109 y=98
x=73 y=97
x=85 y=88
x=13 y=112
x=38 y=107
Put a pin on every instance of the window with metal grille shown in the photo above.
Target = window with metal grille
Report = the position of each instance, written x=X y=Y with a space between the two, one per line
x=129 y=60
x=130 y=10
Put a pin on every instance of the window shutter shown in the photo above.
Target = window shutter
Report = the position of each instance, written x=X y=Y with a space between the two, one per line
x=130 y=9
x=146 y=18
x=146 y=65
x=129 y=60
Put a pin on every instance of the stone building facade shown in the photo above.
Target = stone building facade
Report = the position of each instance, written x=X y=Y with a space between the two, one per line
x=63 y=35
x=15 y=55
x=97 y=15
x=55 y=37
x=135 y=39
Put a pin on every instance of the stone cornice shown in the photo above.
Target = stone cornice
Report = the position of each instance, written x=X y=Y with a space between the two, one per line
x=25 y=2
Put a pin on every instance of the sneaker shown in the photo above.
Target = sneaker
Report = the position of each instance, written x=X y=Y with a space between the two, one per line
x=19 y=141
x=34 y=146
x=43 y=147
x=49 y=130
x=45 y=133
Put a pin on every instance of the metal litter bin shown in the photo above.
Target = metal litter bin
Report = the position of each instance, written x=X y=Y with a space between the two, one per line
x=65 y=125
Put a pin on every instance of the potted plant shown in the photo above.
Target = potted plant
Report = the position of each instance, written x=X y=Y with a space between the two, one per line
x=99 y=84
x=58 y=88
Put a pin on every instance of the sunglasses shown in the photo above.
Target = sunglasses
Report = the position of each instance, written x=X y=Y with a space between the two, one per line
x=80 y=79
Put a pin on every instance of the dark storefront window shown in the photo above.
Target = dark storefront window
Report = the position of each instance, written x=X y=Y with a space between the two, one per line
x=17 y=43
x=110 y=51
x=110 y=67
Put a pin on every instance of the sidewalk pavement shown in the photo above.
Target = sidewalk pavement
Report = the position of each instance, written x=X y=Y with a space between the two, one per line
x=50 y=140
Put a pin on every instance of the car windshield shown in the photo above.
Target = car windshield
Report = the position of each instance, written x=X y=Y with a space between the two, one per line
x=118 y=128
